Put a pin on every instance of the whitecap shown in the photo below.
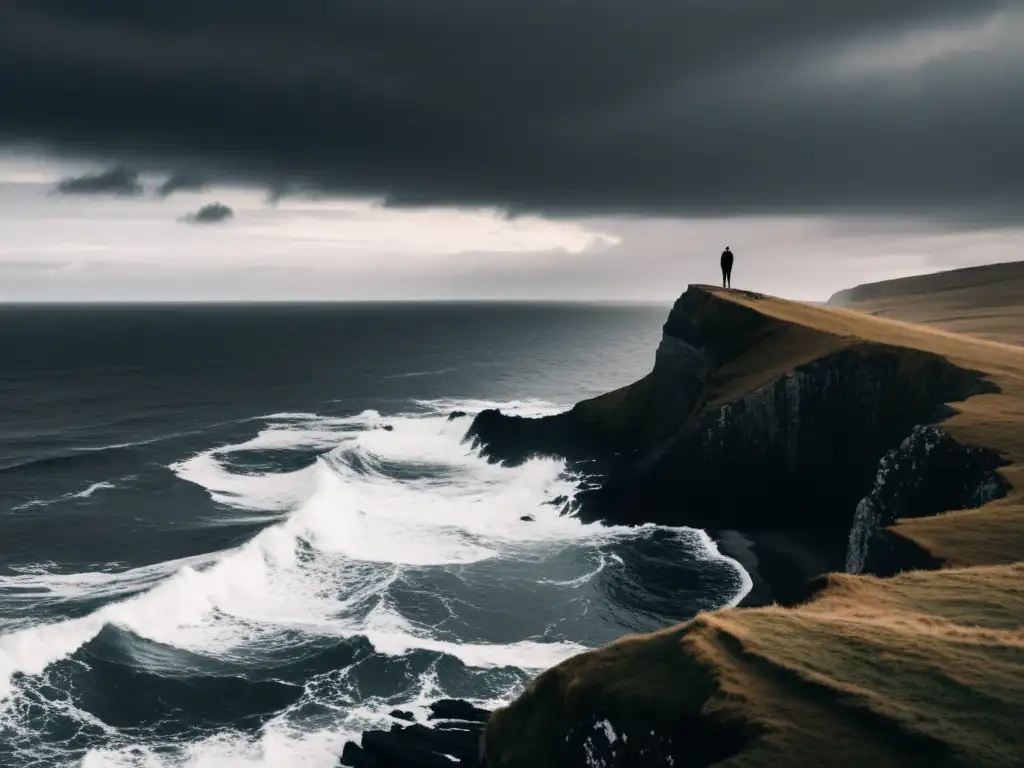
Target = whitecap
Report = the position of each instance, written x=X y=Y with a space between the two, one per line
x=351 y=527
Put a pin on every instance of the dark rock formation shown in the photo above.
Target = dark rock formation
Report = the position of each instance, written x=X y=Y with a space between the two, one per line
x=457 y=709
x=780 y=456
x=772 y=429
x=929 y=473
x=782 y=564
x=514 y=439
x=633 y=743
x=456 y=415
x=795 y=450
x=454 y=739
x=527 y=518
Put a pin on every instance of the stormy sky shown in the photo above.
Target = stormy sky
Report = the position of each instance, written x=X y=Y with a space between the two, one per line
x=541 y=148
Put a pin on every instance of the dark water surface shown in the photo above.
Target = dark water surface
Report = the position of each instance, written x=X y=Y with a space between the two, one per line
x=239 y=535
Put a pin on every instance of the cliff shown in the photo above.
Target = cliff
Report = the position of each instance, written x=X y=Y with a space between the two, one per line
x=900 y=446
x=764 y=415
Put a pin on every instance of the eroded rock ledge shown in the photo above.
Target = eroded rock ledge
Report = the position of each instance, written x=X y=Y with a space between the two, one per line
x=928 y=474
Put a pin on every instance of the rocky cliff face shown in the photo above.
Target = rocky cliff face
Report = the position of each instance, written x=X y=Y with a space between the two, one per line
x=797 y=452
x=699 y=333
x=714 y=438
x=929 y=473
x=771 y=428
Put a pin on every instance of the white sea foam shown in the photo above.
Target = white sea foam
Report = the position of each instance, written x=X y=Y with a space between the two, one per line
x=268 y=491
x=352 y=528
x=39 y=581
x=277 y=745
x=361 y=524
x=420 y=374
x=280 y=743
x=746 y=583
x=83 y=494
x=93 y=488
x=531 y=407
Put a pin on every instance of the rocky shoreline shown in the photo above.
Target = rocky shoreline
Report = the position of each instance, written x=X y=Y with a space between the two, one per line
x=787 y=457
x=452 y=738
x=781 y=565
x=797 y=449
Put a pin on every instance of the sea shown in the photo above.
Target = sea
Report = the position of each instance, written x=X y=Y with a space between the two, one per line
x=241 y=535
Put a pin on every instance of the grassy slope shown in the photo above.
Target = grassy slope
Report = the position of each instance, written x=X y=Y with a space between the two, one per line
x=983 y=301
x=925 y=668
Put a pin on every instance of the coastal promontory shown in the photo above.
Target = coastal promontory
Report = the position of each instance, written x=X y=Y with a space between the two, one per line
x=871 y=468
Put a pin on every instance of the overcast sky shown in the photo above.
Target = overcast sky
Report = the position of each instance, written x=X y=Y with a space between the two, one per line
x=579 y=149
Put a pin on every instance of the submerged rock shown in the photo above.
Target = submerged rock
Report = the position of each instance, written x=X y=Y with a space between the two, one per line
x=453 y=739
x=456 y=415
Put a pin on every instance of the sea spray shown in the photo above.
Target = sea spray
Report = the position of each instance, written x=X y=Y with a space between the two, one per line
x=357 y=525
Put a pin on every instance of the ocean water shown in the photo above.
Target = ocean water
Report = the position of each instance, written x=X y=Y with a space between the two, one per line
x=241 y=535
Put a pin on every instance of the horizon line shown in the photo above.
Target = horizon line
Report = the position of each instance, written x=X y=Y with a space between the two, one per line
x=292 y=302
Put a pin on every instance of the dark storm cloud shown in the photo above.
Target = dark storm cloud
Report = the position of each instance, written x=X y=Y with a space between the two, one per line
x=689 y=106
x=120 y=181
x=214 y=213
x=181 y=182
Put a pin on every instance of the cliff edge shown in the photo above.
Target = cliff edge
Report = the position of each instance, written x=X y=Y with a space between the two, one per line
x=899 y=444
x=768 y=416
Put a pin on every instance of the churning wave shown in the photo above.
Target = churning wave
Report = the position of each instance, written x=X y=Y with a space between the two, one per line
x=87 y=492
x=355 y=509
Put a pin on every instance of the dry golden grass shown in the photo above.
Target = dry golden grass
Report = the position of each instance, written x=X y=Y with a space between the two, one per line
x=926 y=668
x=921 y=669
x=921 y=666
x=982 y=301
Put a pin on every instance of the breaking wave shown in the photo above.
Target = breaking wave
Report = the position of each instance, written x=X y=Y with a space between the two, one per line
x=369 y=517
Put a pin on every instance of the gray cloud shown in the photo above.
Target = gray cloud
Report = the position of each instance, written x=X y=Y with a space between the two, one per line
x=31 y=266
x=121 y=181
x=214 y=213
x=181 y=182
x=566 y=106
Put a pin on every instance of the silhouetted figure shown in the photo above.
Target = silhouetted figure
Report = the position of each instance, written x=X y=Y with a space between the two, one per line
x=727 y=268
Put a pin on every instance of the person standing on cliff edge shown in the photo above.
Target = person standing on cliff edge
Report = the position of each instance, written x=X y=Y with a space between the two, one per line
x=727 y=268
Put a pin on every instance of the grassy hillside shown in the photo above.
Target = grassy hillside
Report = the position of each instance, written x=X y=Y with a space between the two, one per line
x=926 y=668
x=982 y=301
